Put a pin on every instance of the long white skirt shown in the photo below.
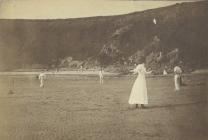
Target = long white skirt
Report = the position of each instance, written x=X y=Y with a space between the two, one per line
x=139 y=91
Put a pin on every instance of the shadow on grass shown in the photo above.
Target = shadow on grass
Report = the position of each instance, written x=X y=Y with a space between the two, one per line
x=167 y=106
x=176 y=105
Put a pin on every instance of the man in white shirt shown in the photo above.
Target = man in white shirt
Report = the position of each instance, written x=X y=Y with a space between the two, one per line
x=42 y=78
x=101 y=76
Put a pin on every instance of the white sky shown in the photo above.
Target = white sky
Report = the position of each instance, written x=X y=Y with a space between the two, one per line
x=54 y=9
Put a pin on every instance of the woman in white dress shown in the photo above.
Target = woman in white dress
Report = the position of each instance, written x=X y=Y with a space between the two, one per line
x=139 y=90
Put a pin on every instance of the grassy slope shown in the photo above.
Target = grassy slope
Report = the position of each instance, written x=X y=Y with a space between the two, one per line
x=24 y=43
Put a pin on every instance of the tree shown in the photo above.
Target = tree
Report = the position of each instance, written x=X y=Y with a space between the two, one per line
x=108 y=55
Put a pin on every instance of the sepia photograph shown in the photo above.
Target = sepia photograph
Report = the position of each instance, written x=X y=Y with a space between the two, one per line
x=103 y=69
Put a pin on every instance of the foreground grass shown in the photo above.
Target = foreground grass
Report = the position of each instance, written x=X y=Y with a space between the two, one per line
x=78 y=107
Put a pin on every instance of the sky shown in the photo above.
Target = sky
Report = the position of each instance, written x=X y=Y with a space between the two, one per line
x=61 y=9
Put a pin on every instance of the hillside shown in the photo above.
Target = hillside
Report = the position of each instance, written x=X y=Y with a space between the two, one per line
x=179 y=35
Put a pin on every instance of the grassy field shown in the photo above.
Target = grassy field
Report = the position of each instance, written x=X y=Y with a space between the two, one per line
x=79 y=108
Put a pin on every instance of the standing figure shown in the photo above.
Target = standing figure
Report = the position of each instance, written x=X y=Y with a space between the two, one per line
x=42 y=77
x=165 y=72
x=177 y=77
x=101 y=76
x=81 y=68
x=154 y=21
x=139 y=90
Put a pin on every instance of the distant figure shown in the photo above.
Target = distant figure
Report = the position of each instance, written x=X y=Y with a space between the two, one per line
x=154 y=21
x=165 y=72
x=42 y=78
x=139 y=90
x=81 y=68
x=177 y=77
x=181 y=81
x=101 y=76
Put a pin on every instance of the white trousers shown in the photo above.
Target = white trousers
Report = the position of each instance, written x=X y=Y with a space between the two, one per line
x=177 y=82
x=41 y=83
